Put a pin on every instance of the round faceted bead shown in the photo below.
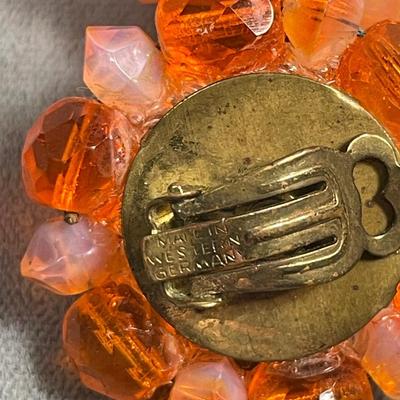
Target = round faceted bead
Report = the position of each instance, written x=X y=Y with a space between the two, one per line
x=378 y=345
x=207 y=40
x=369 y=71
x=76 y=157
x=120 y=347
x=209 y=381
x=320 y=30
x=377 y=11
x=125 y=70
x=71 y=259
x=329 y=377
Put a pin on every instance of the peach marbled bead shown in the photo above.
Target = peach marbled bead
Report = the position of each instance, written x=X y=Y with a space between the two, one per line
x=120 y=347
x=209 y=381
x=314 y=378
x=71 y=259
x=125 y=70
x=207 y=40
x=378 y=345
x=320 y=30
x=370 y=72
x=379 y=10
x=76 y=157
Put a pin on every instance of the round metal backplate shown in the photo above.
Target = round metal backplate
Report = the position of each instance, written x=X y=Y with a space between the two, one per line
x=225 y=130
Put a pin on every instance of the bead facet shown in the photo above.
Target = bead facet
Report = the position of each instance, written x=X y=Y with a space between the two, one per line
x=314 y=378
x=377 y=11
x=121 y=348
x=71 y=259
x=209 y=381
x=77 y=155
x=125 y=70
x=320 y=30
x=208 y=40
x=373 y=62
x=378 y=345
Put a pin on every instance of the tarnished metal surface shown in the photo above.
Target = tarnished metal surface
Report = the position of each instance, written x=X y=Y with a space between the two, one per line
x=293 y=223
x=253 y=222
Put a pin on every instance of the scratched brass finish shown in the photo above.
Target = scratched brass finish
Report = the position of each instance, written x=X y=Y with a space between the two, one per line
x=301 y=227
x=253 y=232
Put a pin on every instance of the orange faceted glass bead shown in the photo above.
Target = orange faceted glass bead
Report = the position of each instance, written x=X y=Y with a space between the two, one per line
x=378 y=10
x=370 y=72
x=214 y=39
x=76 y=157
x=121 y=348
x=320 y=30
x=310 y=379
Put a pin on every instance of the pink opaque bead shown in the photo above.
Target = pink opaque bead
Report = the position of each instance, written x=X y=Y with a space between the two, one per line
x=379 y=10
x=378 y=345
x=70 y=259
x=209 y=381
x=125 y=70
x=320 y=30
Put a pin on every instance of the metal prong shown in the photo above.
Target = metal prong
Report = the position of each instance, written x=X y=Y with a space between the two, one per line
x=182 y=300
x=160 y=212
x=71 y=218
x=361 y=32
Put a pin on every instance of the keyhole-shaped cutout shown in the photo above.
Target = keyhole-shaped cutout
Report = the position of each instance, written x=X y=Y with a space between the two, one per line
x=371 y=177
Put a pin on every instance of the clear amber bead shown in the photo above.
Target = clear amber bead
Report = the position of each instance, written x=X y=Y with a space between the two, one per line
x=120 y=347
x=207 y=40
x=320 y=30
x=379 y=10
x=76 y=158
x=329 y=376
x=369 y=71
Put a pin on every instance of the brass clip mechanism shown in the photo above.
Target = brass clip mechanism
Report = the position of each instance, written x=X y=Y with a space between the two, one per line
x=293 y=223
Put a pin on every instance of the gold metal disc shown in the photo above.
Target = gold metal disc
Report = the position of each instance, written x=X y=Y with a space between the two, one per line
x=224 y=131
